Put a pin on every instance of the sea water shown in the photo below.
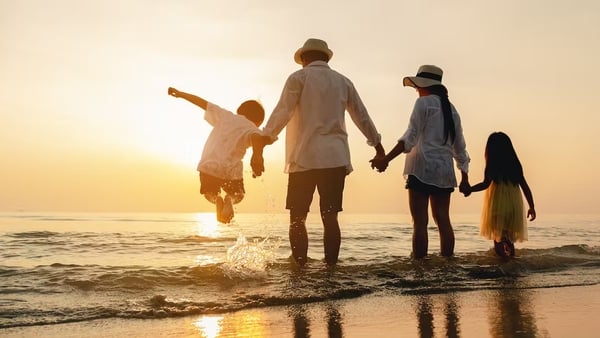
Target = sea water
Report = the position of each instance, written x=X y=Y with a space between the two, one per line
x=70 y=267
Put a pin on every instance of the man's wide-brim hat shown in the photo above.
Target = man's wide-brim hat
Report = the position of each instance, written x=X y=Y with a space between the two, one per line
x=314 y=45
x=427 y=76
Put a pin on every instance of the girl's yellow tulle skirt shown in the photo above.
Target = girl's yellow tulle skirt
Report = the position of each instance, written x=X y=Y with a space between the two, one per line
x=503 y=213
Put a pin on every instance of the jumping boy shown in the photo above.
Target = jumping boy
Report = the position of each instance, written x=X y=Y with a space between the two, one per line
x=221 y=167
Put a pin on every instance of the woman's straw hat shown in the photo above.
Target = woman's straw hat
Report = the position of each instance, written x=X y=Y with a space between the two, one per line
x=313 y=44
x=427 y=76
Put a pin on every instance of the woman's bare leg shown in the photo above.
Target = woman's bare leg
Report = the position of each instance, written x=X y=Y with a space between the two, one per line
x=418 y=203
x=440 y=210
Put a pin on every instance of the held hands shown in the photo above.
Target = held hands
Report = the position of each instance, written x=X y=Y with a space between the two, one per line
x=258 y=165
x=379 y=163
x=257 y=161
x=465 y=188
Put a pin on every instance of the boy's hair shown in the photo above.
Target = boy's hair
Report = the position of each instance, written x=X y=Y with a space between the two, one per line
x=252 y=110
x=502 y=162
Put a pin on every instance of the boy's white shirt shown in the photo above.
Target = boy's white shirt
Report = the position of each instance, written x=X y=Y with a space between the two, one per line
x=226 y=145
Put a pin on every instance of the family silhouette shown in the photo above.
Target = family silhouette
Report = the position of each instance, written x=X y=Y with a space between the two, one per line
x=312 y=108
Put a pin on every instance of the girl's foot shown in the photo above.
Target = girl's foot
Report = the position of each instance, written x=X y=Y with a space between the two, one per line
x=505 y=248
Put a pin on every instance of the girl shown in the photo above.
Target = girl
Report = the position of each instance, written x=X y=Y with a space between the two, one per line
x=503 y=218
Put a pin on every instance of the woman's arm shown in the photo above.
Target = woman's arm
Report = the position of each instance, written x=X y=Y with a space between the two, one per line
x=381 y=163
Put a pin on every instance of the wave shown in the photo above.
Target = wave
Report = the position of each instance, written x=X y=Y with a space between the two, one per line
x=96 y=291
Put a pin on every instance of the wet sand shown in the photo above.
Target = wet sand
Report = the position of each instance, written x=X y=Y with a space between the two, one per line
x=549 y=312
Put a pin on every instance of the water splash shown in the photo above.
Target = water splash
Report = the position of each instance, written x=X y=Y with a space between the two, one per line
x=248 y=260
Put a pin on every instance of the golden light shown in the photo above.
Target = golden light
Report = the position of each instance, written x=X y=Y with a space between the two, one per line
x=209 y=326
x=207 y=225
x=205 y=260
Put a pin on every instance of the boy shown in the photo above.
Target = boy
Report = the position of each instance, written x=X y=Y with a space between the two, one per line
x=221 y=166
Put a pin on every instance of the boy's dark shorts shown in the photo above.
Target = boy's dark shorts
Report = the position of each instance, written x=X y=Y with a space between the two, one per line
x=413 y=183
x=329 y=183
x=212 y=185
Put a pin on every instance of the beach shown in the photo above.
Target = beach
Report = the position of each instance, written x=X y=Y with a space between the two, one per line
x=186 y=275
x=546 y=312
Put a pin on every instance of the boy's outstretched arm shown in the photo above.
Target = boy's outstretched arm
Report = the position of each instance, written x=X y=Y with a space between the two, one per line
x=197 y=100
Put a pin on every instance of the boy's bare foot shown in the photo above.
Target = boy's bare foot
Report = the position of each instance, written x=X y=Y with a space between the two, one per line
x=219 y=203
x=227 y=211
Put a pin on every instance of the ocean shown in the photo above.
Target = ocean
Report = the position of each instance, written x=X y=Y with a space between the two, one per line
x=77 y=267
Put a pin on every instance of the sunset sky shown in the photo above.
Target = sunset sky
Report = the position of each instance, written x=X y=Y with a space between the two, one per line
x=87 y=124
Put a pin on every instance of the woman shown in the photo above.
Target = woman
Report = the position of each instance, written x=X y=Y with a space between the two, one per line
x=433 y=139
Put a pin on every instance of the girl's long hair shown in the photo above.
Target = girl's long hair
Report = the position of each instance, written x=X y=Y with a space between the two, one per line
x=501 y=161
x=449 y=129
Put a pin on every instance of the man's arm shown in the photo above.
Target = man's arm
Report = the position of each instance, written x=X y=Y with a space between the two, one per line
x=200 y=102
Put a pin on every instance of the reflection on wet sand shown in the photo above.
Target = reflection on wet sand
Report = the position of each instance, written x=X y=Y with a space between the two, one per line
x=239 y=324
x=511 y=312
x=301 y=321
x=425 y=309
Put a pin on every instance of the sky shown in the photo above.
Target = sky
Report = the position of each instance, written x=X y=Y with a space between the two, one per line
x=87 y=124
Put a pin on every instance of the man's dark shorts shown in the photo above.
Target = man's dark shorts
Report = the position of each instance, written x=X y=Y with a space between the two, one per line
x=328 y=182
x=413 y=183
x=212 y=185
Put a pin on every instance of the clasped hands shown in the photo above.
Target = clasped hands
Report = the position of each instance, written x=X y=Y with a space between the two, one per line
x=379 y=163
x=257 y=161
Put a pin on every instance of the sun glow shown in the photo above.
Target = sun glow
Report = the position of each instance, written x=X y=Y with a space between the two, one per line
x=209 y=326
x=174 y=132
x=207 y=225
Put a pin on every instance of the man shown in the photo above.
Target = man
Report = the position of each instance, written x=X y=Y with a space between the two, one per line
x=312 y=106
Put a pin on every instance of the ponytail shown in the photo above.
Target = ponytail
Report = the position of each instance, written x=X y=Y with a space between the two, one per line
x=449 y=128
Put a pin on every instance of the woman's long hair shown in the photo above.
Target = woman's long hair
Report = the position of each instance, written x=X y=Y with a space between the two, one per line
x=449 y=129
x=501 y=161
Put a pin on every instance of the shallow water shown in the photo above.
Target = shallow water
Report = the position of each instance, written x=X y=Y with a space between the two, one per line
x=58 y=268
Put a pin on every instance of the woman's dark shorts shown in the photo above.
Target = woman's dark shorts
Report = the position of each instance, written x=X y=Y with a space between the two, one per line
x=413 y=183
x=329 y=183
x=212 y=185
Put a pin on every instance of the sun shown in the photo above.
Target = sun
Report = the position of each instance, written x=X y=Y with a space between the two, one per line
x=173 y=132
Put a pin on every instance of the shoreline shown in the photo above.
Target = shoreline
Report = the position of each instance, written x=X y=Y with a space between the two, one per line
x=544 y=312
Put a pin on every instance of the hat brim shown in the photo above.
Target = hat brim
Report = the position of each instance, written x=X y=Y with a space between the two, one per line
x=298 y=54
x=419 y=82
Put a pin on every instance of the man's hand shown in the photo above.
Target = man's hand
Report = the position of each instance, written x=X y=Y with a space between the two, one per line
x=379 y=163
